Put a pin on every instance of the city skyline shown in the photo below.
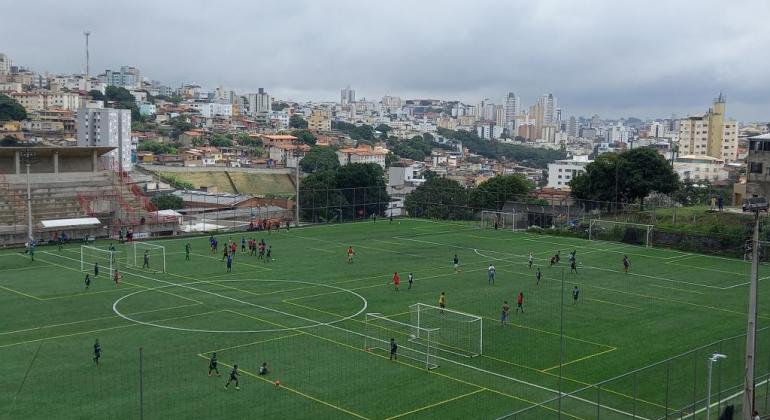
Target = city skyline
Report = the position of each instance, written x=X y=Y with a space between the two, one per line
x=587 y=55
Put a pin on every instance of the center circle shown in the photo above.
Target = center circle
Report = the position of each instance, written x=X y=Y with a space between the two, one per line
x=186 y=285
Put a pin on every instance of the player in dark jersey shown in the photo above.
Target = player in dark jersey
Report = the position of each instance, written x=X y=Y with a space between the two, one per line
x=88 y=281
x=573 y=266
x=229 y=263
x=505 y=311
x=553 y=261
x=456 y=262
x=96 y=269
x=187 y=249
x=520 y=302
x=213 y=365
x=393 y=349
x=263 y=369
x=243 y=244
x=146 y=263
x=233 y=378
x=224 y=252
x=538 y=275
x=411 y=280
x=97 y=352
x=61 y=242
x=269 y=256
x=575 y=293
x=626 y=264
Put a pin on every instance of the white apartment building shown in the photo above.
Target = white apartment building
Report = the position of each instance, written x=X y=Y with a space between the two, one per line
x=213 y=109
x=657 y=130
x=43 y=100
x=320 y=120
x=700 y=168
x=362 y=154
x=5 y=65
x=561 y=172
x=107 y=127
x=259 y=102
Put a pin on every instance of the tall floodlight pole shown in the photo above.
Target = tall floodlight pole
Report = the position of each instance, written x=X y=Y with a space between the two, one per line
x=754 y=205
x=28 y=156
x=713 y=359
x=296 y=183
x=87 y=33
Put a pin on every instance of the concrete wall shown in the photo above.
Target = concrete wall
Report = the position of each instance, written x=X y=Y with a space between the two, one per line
x=161 y=168
x=76 y=164
x=7 y=165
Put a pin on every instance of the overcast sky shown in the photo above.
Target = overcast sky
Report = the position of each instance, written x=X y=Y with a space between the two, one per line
x=614 y=57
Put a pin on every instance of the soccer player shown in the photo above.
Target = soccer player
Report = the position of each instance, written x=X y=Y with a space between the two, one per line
x=442 y=302
x=573 y=266
x=351 y=253
x=538 y=275
x=213 y=365
x=491 y=271
x=530 y=260
x=243 y=244
x=233 y=247
x=229 y=263
x=112 y=254
x=32 y=251
x=558 y=256
x=571 y=257
x=88 y=281
x=117 y=277
x=233 y=378
x=269 y=255
x=187 y=249
x=146 y=263
x=411 y=280
x=456 y=262
x=393 y=349
x=575 y=293
x=61 y=243
x=224 y=252
x=96 y=269
x=97 y=352
x=213 y=243
x=263 y=369
x=396 y=280
x=390 y=219
x=553 y=261
x=504 y=315
x=626 y=264
x=261 y=250
x=520 y=302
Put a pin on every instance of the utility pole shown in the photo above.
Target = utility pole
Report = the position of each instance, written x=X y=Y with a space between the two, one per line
x=27 y=156
x=755 y=205
x=297 y=155
x=87 y=33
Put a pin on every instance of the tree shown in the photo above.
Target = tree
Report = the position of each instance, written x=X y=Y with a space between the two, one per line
x=10 y=110
x=167 y=201
x=96 y=95
x=279 y=106
x=416 y=148
x=439 y=198
x=156 y=147
x=363 y=186
x=493 y=193
x=319 y=159
x=10 y=141
x=296 y=121
x=625 y=177
x=123 y=99
x=530 y=156
x=390 y=159
x=305 y=137
x=220 y=140
x=179 y=125
x=383 y=129
x=320 y=200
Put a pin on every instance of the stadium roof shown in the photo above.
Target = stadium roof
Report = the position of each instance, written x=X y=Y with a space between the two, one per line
x=51 y=150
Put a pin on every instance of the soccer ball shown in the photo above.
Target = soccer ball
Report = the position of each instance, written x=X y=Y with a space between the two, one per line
x=412 y=336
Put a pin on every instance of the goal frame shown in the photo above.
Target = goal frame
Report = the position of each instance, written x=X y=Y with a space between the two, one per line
x=110 y=257
x=487 y=221
x=648 y=229
x=134 y=261
x=471 y=318
x=371 y=342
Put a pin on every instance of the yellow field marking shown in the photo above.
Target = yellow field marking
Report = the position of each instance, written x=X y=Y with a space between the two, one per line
x=102 y=329
x=95 y=319
x=677 y=289
x=613 y=303
x=252 y=343
x=293 y=390
x=579 y=360
x=20 y=293
x=433 y=372
x=436 y=404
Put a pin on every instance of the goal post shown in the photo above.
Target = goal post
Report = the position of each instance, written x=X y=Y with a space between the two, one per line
x=609 y=230
x=457 y=332
x=413 y=342
x=504 y=220
x=90 y=256
x=156 y=255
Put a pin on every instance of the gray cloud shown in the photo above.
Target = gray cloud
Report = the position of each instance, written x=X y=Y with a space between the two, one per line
x=615 y=58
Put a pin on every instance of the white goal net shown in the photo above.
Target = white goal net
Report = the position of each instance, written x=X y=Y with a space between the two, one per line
x=146 y=255
x=630 y=233
x=93 y=259
x=457 y=332
x=498 y=219
x=413 y=342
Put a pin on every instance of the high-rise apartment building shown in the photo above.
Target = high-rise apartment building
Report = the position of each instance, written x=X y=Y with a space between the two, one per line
x=709 y=134
x=127 y=77
x=656 y=130
x=512 y=107
x=260 y=102
x=107 y=127
x=5 y=65
x=572 y=127
x=347 y=95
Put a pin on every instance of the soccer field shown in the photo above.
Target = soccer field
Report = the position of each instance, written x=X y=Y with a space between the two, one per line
x=304 y=314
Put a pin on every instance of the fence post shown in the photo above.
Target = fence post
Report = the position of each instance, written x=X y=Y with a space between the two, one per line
x=694 y=378
x=633 y=411
x=598 y=401
x=719 y=381
x=668 y=376
x=141 y=386
x=767 y=384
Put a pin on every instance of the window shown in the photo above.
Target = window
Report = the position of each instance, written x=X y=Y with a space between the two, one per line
x=755 y=167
